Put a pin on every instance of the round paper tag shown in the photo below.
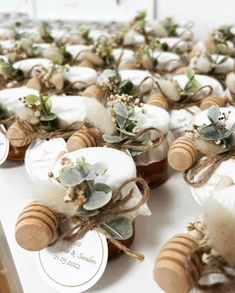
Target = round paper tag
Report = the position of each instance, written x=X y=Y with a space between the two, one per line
x=41 y=156
x=4 y=145
x=77 y=267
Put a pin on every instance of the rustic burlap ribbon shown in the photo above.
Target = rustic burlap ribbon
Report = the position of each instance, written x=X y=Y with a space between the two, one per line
x=203 y=169
x=190 y=100
x=115 y=208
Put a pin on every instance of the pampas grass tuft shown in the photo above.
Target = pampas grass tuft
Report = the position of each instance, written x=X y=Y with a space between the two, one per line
x=219 y=219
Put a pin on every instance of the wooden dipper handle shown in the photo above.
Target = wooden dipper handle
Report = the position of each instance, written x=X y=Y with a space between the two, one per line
x=36 y=227
x=212 y=100
x=170 y=266
x=81 y=139
x=182 y=154
x=159 y=101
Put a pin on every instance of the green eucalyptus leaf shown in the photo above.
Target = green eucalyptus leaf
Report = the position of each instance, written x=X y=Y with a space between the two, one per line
x=208 y=132
x=48 y=104
x=221 y=48
x=69 y=176
x=112 y=138
x=224 y=59
x=189 y=73
x=126 y=87
x=96 y=170
x=6 y=68
x=123 y=131
x=213 y=113
x=121 y=110
x=87 y=214
x=99 y=198
x=49 y=117
x=32 y=99
x=120 y=228
x=121 y=121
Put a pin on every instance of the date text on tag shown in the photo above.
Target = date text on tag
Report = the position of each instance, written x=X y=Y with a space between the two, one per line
x=77 y=267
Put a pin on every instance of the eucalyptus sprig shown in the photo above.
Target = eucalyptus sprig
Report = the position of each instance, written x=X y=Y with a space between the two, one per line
x=104 y=49
x=23 y=49
x=115 y=85
x=90 y=197
x=192 y=85
x=85 y=34
x=45 y=33
x=9 y=72
x=170 y=26
x=41 y=107
x=123 y=110
x=217 y=131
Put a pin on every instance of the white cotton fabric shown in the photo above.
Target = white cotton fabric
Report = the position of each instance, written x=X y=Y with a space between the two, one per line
x=76 y=50
x=87 y=76
x=27 y=64
x=10 y=97
x=133 y=38
x=158 y=118
x=128 y=56
x=167 y=61
x=136 y=77
x=182 y=79
x=70 y=109
x=120 y=167
x=227 y=66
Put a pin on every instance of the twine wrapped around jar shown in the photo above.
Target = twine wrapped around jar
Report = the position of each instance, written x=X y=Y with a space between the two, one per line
x=22 y=133
x=115 y=208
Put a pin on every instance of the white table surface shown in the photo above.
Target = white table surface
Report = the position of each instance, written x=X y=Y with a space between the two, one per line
x=172 y=208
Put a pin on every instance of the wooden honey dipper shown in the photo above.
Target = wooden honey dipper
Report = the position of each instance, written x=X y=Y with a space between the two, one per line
x=182 y=153
x=158 y=100
x=170 y=266
x=36 y=227
x=81 y=139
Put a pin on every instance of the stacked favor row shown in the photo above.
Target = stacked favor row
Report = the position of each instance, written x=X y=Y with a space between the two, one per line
x=115 y=106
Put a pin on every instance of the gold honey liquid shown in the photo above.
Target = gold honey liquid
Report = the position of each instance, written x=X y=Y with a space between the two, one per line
x=154 y=173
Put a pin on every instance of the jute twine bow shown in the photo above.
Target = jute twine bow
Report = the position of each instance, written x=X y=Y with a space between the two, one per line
x=133 y=144
x=203 y=169
x=215 y=265
x=34 y=132
x=190 y=100
x=115 y=208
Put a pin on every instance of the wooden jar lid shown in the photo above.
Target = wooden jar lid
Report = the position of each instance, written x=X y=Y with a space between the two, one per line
x=159 y=101
x=212 y=100
x=36 y=227
x=170 y=266
x=81 y=139
x=182 y=154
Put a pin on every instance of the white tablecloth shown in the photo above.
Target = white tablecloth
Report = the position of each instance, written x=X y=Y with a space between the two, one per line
x=172 y=207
